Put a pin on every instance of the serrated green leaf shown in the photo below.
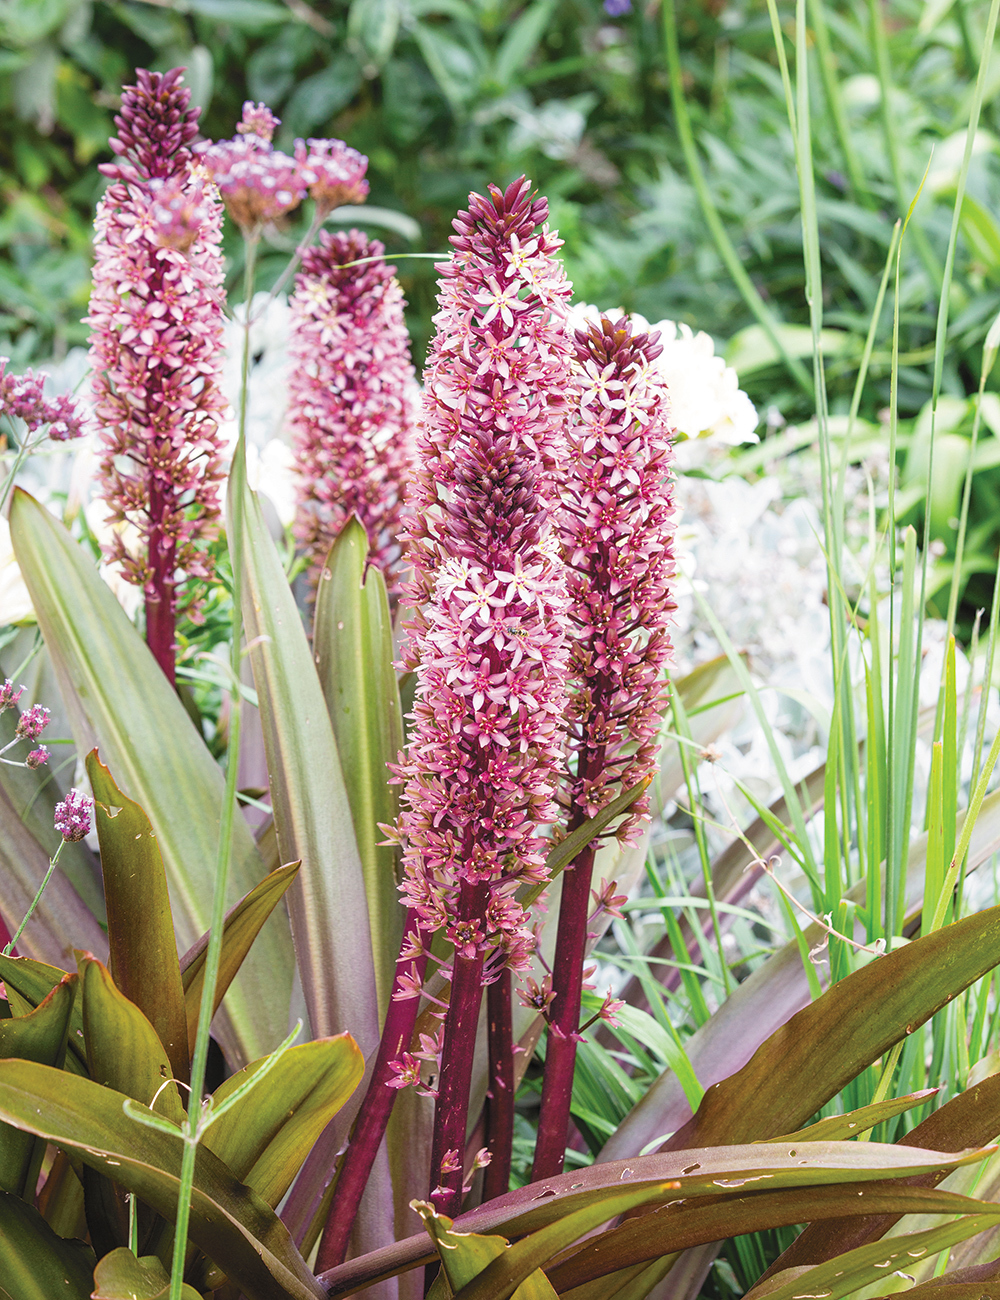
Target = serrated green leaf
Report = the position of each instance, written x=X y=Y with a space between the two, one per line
x=243 y=923
x=265 y=1137
x=118 y=698
x=39 y=1036
x=143 y=950
x=352 y=644
x=35 y=1264
x=229 y=1222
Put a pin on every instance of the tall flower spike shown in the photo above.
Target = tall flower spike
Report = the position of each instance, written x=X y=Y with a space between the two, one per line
x=617 y=535
x=156 y=316
x=488 y=642
x=353 y=397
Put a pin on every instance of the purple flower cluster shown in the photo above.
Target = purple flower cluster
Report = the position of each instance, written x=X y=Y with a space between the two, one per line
x=22 y=396
x=259 y=184
x=156 y=315
x=617 y=533
x=353 y=396
x=73 y=816
x=487 y=642
x=30 y=725
x=9 y=695
x=32 y=722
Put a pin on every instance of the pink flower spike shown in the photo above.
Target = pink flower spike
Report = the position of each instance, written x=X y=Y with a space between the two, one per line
x=353 y=398
x=73 y=816
x=156 y=315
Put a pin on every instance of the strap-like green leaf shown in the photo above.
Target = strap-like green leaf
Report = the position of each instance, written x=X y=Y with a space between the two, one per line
x=143 y=949
x=229 y=1222
x=118 y=698
x=352 y=644
x=39 y=1036
x=243 y=923
x=35 y=1264
x=327 y=903
x=265 y=1136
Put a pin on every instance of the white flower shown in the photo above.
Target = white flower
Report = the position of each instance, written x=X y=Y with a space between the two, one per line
x=705 y=395
x=15 y=603
x=271 y=472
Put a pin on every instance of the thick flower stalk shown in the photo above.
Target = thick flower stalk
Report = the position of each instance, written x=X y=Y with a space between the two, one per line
x=156 y=314
x=353 y=397
x=617 y=533
x=487 y=644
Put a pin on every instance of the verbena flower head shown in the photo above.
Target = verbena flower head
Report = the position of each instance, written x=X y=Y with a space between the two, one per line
x=488 y=640
x=353 y=396
x=333 y=171
x=258 y=183
x=9 y=695
x=38 y=757
x=617 y=534
x=258 y=120
x=22 y=397
x=32 y=722
x=156 y=315
x=73 y=816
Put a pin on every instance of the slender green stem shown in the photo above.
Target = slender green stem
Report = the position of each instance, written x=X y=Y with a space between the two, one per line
x=34 y=902
x=192 y=1128
x=293 y=262
x=24 y=449
x=723 y=243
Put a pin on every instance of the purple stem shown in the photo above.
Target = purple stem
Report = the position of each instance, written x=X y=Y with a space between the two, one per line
x=161 y=602
x=369 y=1127
x=564 y=1018
x=500 y=1099
x=451 y=1115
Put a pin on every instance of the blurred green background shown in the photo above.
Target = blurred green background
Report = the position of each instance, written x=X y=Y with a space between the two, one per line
x=445 y=95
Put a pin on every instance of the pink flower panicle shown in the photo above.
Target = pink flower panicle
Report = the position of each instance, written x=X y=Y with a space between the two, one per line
x=32 y=722
x=22 y=397
x=9 y=695
x=488 y=639
x=258 y=120
x=73 y=816
x=352 y=397
x=333 y=171
x=617 y=535
x=156 y=345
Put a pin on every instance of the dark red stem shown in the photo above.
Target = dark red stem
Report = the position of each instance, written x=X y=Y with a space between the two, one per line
x=369 y=1127
x=500 y=1099
x=451 y=1115
x=161 y=601
x=564 y=1017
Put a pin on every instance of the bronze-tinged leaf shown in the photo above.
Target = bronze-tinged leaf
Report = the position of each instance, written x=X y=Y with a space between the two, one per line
x=143 y=949
x=243 y=924
x=120 y=1276
x=35 y=1264
x=39 y=1036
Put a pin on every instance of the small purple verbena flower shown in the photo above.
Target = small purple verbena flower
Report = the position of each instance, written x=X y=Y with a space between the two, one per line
x=353 y=397
x=32 y=722
x=258 y=120
x=487 y=642
x=617 y=535
x=333 y=171
x=9 y=696
x=617 y=8
x=38 y=757
x=73 y=816
x=23 y=396
x=258 y=184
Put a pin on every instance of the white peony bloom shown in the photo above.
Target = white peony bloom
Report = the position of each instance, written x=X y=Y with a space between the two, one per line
x=705 y=395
